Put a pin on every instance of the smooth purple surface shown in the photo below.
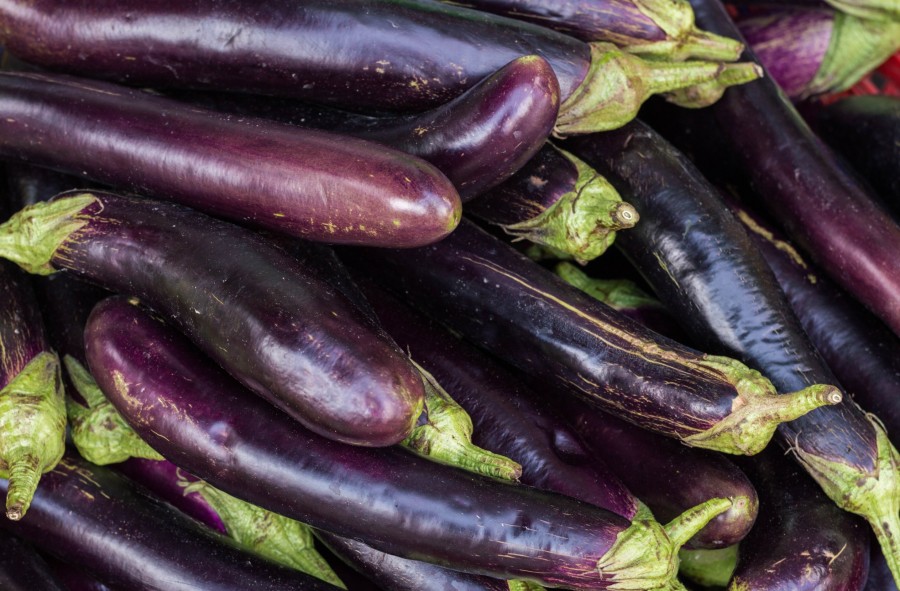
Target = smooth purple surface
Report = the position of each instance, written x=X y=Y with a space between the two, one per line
x=377 y=54
x=22 y=569
x=273 y=324
x=307 y=183
x=21 y=328
x=388 y=498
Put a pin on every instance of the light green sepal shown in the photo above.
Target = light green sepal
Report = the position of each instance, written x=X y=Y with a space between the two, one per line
x=874 y=495
x=857 y=47
x=684 y=39
x=446 y=437
x=583 y=222
x=704 y=95
x=645 y=556
x=32 y=236
x=710 y=568
x=278 y=538
x=99 y=432
x=618 y=83
x=757 y=410
x=523 y=586
x=619 y=294
x=874 y=10
x=33 y=424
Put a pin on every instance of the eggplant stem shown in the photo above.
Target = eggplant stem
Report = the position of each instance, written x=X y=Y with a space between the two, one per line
x=704 y=95
x=685 y=526
x=24 y=475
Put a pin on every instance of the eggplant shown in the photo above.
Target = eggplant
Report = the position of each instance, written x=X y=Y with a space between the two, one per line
x=22 y=569
x=664 y=30
x=864 y=130
x=73 y=578
x=875 y=10
x=800 y=542
x=277 y=328
x=506 y=303
x=479 y=139
x=880 y=578
x=88 y=515
x=253 y=171
x=558 y=201
x=387 y=497
x=701 y=264
x=382 y=55
x=803 y=186
x=818 y=51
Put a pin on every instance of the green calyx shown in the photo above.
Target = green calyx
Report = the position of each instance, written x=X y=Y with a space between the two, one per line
x=619 y=294
x=99 y=432
x=645 y=556
x=446 y=437
x=757 y=410
x=33 y=423
x=618 y=83
x=710 y=568
x=873 y=495
x=32 y=236
x=683 y=39
x=278 y=538
x=874 y=10
x=514 y=585
x=704 y=95
x=857 y=46
x=583 y=222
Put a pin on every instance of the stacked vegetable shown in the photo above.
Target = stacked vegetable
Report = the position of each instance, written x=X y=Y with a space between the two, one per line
x=425 y=402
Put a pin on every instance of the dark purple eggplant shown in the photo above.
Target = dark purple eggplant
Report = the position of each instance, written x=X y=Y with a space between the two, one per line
x=22 y=569
x=825 y=210
x=387 y=497
x=664 y=30
x=876 y=10
x=703 y=266
x=73 y=578
x=88 y=515
x=506 y=303
x=864 y=130
x=817 y=51
x=32 y=406
x=277 y=328
x=799 y=543
x=479 y=139
x=880 y=577
x=558 y=201
x=383 y=55
x=250 y=170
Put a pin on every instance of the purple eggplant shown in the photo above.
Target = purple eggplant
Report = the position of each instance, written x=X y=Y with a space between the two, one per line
x=479 y=139
x=703 y=266
x=508 y=304
x=22 y=569
x=387 y=498
x=279 y=329
x=664 y=30
x=378 y=55
x=875 y=10
x=799 y=542
x=257 y=172
x=864 y=130
x=880 y=578
x=88 y=515
x=73 y=578
x=818 y=51
x=558 y=201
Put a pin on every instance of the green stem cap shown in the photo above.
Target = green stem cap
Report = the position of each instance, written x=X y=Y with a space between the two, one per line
x=619 y=294
x=683 y=39
x=704 y=95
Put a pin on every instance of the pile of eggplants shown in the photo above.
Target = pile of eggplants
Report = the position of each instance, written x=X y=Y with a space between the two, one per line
x=291 y=263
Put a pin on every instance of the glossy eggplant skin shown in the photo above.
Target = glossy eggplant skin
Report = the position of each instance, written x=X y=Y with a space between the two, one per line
x=802 y=184
x=387 y=497
x=384 y=55
x=22 y=335
x=801 y=542
x=274 y=325
x=22 y=569
x=505 y=416
x=864 y=130
x=73 y=578
x=256 y=172
x=79 y=515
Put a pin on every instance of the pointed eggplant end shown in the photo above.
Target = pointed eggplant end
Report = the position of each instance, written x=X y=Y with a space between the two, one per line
x=24 y=475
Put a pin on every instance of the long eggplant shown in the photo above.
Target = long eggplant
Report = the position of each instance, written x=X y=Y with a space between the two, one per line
x=73 y=578
x=479 y=139
x=86 y=514
x=257 y=172
x=702 y=265
x=278 y=328
x=380 y=54
x=802 y=184
x=22 y=569
x=388 y=498
x=508 y=304
x=664 y=30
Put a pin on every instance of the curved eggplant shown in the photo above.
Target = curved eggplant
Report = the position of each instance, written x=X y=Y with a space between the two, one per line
x=22 y=569
x=278 y=328
x=388 y=498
